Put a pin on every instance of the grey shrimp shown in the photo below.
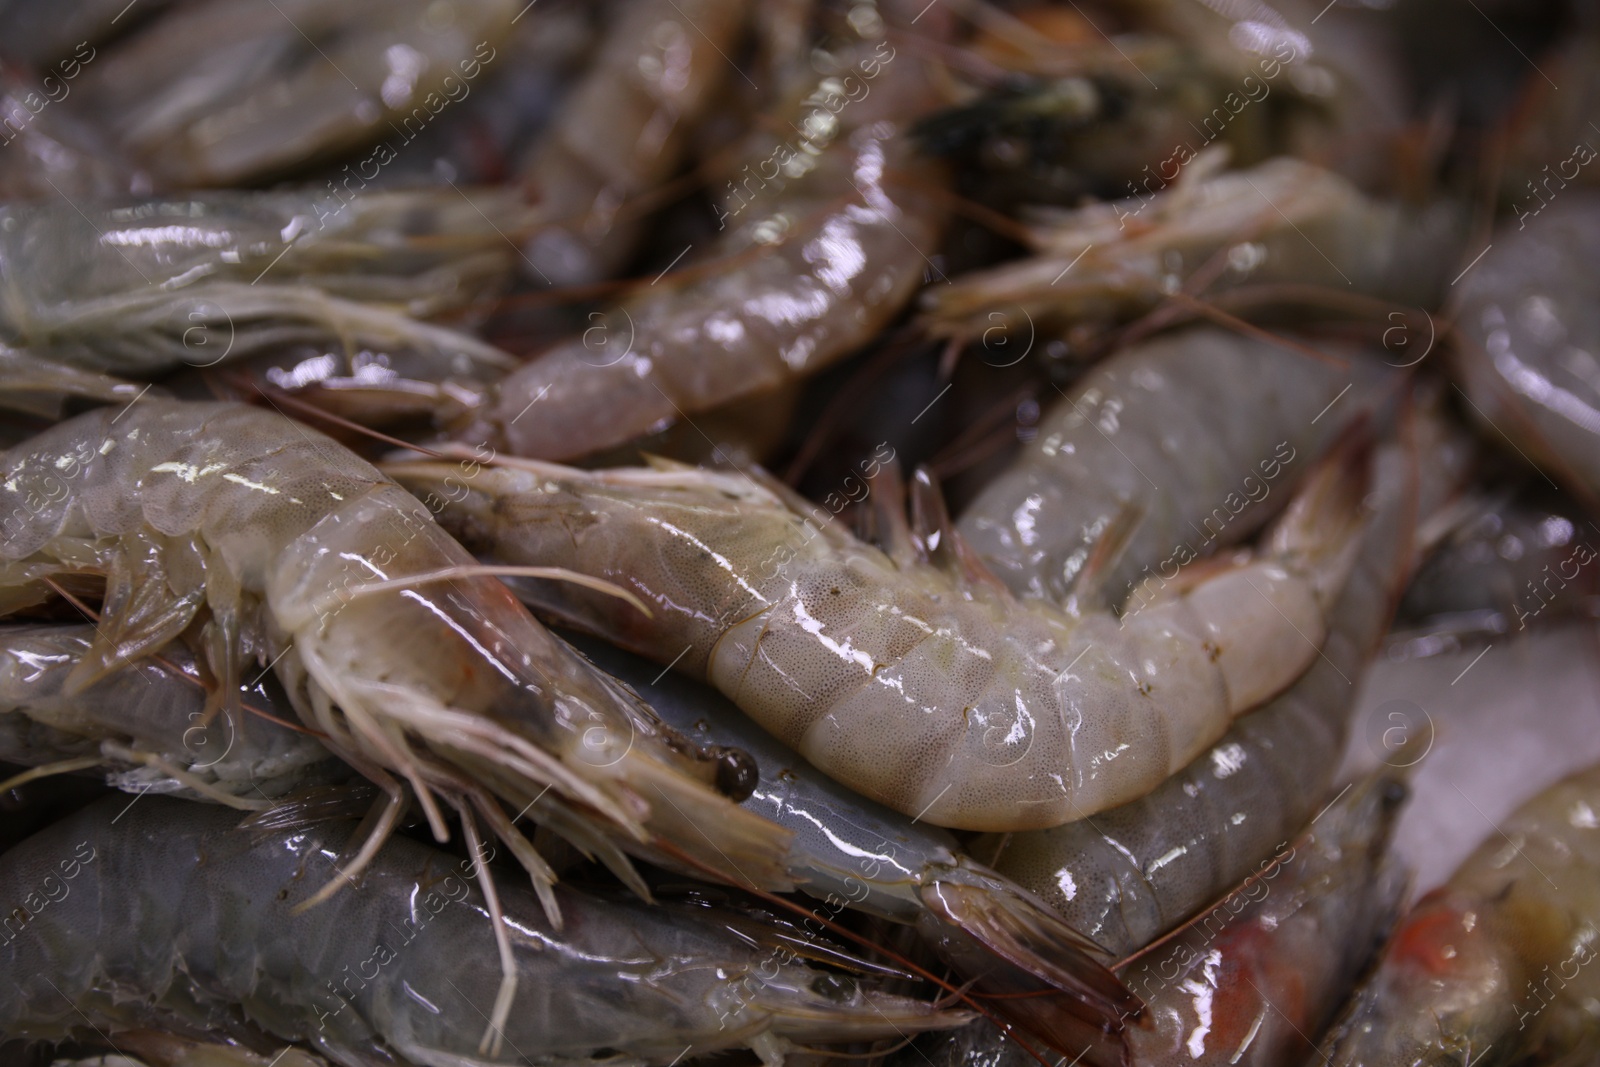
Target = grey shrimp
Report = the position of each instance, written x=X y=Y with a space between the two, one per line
x=165 y=907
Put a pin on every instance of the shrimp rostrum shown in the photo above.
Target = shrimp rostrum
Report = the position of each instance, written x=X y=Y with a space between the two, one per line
x=208 y=931
x=912 y=676
x=252 y=538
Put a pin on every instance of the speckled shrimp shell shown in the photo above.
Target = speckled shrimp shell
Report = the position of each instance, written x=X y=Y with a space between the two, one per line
x=168 y=911
x=823 y=239
x=260 y=540
x=1498 y=965
x=925 y=687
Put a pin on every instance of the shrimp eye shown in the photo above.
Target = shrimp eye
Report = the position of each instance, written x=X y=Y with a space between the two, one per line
x=1394 y=794
x=737 y=774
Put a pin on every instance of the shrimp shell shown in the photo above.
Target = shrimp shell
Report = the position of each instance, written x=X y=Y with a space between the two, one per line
x=1146 y=441
x=165 y=909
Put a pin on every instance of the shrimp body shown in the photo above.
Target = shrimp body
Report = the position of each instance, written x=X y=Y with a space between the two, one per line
x=205 y=919
x=1255 y=979
x=853 y=853
x=279 y=534
x=938 y=696
x=1137 y=456
x=144 y=288
x=1144 y=867
x=1281 y=222
x=147 y=709
x=1497 y=965
x=1531 y=329
x=285 y=83
x=623 y=130
x=820 y=246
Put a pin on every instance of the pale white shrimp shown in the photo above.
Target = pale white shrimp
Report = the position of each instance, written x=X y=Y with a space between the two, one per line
x=925 y=687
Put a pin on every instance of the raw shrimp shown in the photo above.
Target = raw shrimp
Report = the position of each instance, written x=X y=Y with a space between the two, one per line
x=622 y=130
x=286 y=83
x=823 y=238
x=171 y=911
x=1283 y=222
x=305 y=558
x=1523 y=554
x=1258 y=977
x=1529 y=357
x=1496 y=966
x=924 y=686
x=1142 y=458
x=149 y=1048
x=1130 y=874
x=43 y=387
x=145 y=288
x=157 y=717
x=855 y=853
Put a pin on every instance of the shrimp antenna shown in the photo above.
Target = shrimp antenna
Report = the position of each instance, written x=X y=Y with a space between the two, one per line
x=273 y=395
x=50 y=770
x=338 y=597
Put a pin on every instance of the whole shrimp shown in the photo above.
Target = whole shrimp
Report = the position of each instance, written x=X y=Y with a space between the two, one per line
x=1494 y=967
x=1128 y=875
x=1284 y=222
x=1256 y=977
x=258 y=539
x=1133 y=476
x=1529 y=336
x=284 y=84
x=824 y=236
x=144 y=288
x=206 y=925
x=156 y=717
x=622 y=131
x=912 y=676
x=856 y=854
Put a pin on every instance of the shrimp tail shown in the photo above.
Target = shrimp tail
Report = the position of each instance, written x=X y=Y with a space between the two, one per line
x=1323 y=521
x=1024 y=932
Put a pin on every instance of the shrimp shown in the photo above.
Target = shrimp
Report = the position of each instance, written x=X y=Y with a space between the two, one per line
x=205 y=924
x=280 y=85
x=1283 y=222
x=1135 y=460
x=306 y=559
x=823 y=238
x=1514 y=556
x=155 y=716
x=1257 y=977
x=1130 y=874
x=156 y=1049
x=146 y=288
x=922 y=685
x=623 y=131
x=35 y=386
x=1494 y=966
x=1529 y=336
x=868 y=858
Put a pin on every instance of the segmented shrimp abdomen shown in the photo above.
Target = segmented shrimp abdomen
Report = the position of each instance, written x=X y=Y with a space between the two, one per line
x=1145 y=453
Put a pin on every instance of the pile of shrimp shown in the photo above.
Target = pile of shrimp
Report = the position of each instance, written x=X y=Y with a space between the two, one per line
x=820 y=532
